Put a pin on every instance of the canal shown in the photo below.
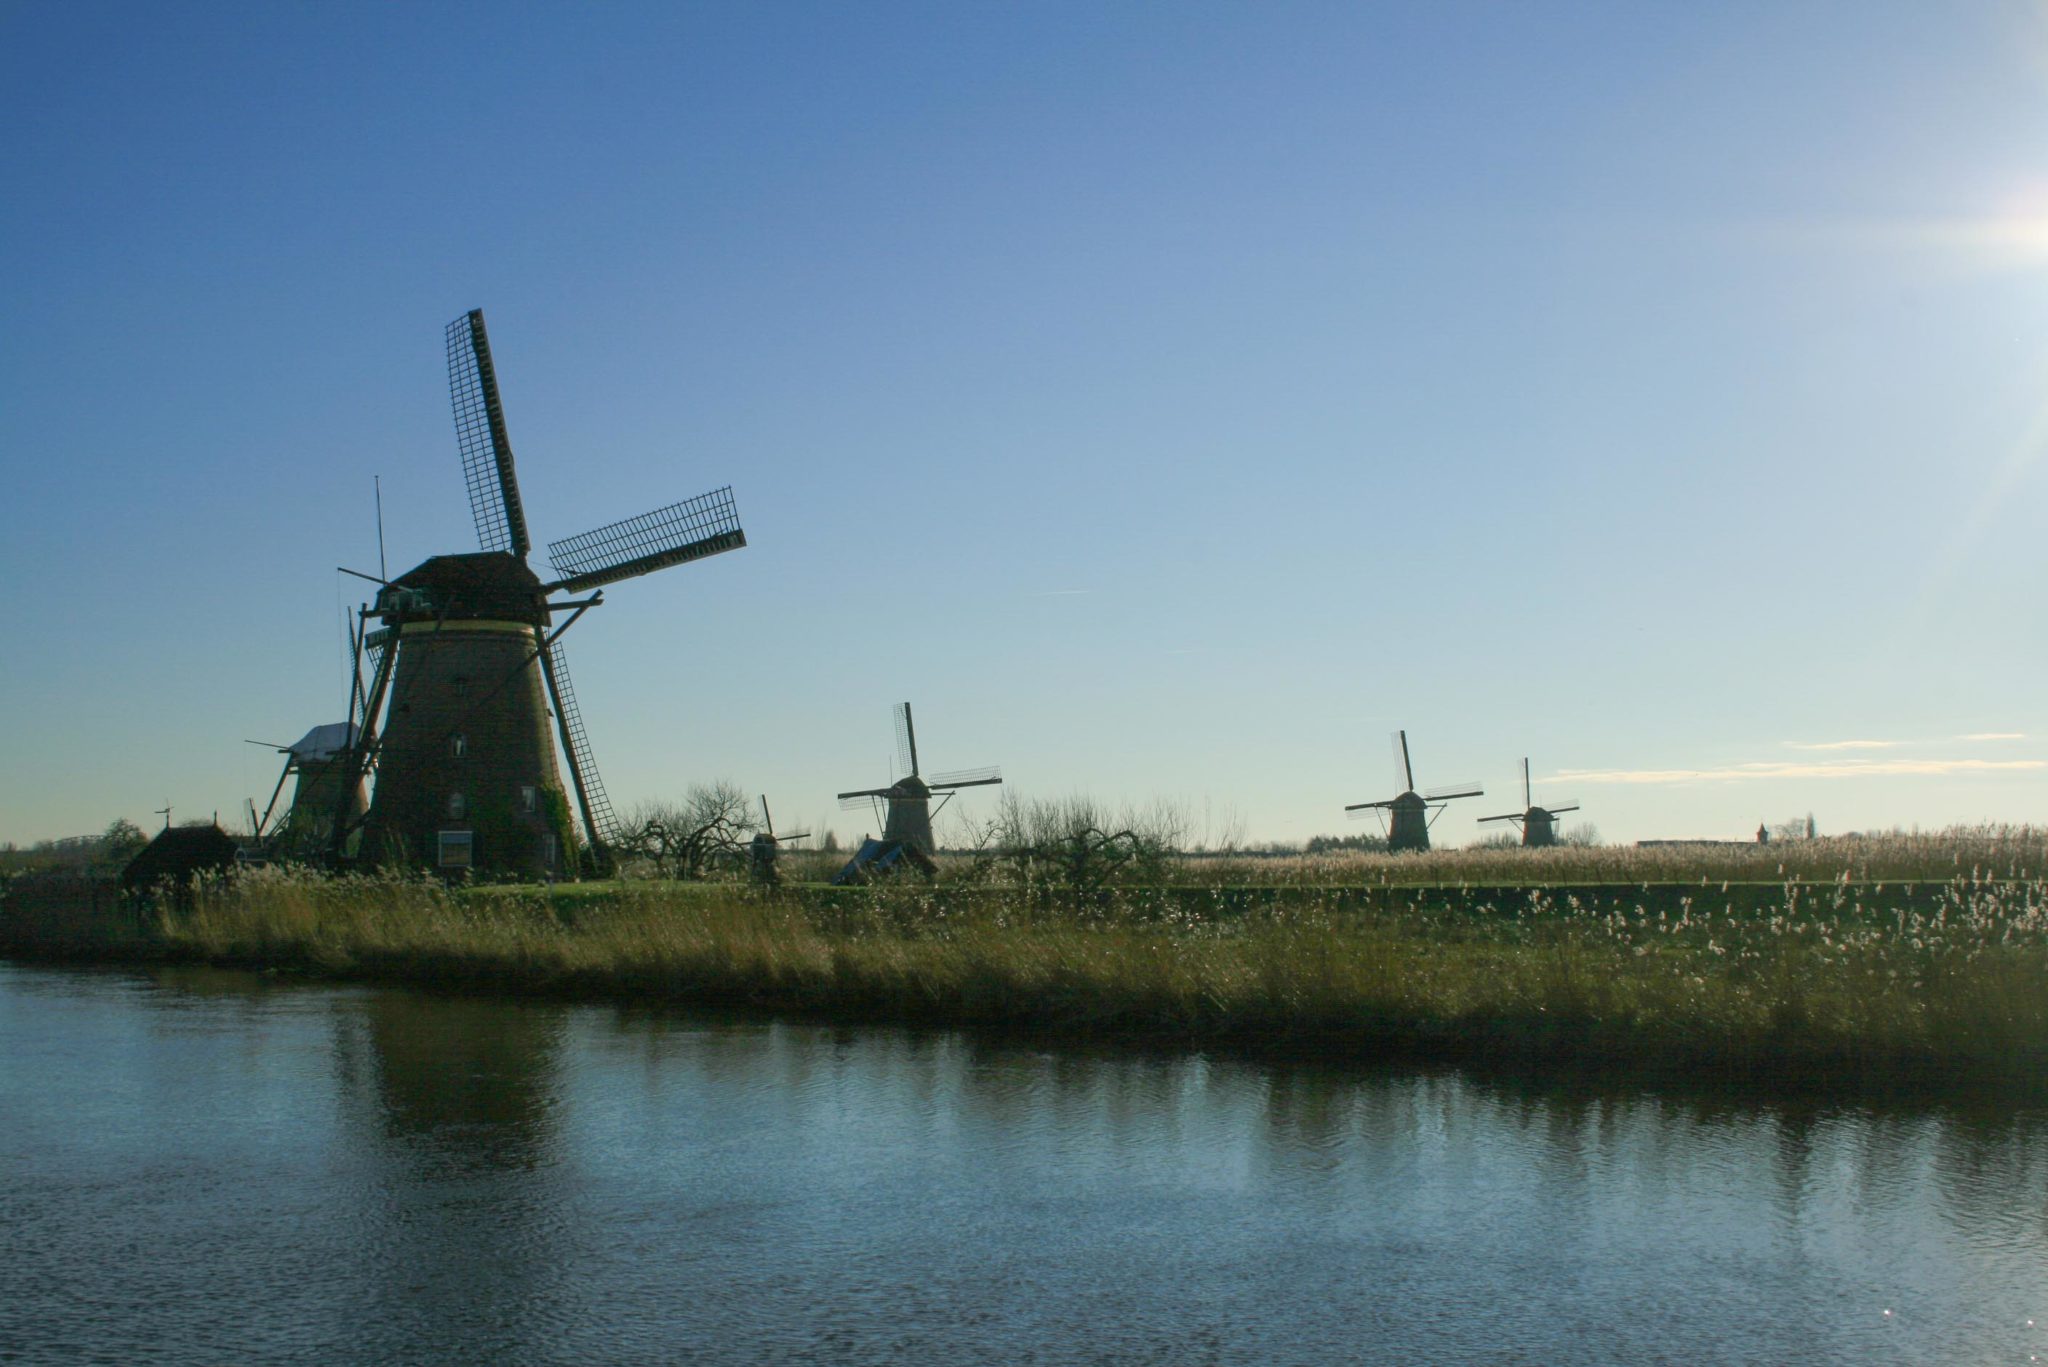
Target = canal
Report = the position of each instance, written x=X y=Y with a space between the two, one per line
x=203 y=1167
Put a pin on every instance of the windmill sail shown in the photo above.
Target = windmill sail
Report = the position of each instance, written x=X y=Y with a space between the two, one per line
x=598 y=819
x=768 y=826
x=376 y=652
x=906 y=741
x=691 y=530
x=480 y=433
x=1451 y=790
x=968 y=778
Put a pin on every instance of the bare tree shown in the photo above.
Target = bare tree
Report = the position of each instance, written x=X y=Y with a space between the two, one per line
x=710 y=825
x=1796 y=828
x=1074 y=844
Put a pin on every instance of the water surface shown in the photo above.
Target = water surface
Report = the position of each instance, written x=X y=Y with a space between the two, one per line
x=205 y=1167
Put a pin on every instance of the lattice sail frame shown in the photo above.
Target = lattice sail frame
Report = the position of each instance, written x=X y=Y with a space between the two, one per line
x=967 y=778
x=690 y=530
x=487 y=470
x=601 y=823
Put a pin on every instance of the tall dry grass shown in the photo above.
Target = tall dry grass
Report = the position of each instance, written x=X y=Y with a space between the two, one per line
x=1818 y=982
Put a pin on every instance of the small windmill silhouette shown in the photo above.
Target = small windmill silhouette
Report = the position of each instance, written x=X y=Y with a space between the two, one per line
x=1539 y=824
x=1409 y=815
x=766 y=847
x=908 y=801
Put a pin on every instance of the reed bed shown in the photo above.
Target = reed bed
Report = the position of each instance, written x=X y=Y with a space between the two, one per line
x=1815 y=983
x=1993 y=851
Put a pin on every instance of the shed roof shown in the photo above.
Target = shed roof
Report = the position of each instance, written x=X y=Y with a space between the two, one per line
x=178 y=853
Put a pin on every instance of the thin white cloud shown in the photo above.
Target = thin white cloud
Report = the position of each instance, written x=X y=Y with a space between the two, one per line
x=1843 y=744
x=1994 y=735
x=1840 y=768
x=1058 y=593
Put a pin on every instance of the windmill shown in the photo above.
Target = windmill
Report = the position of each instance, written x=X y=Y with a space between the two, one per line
x=1539 y=824
x=908 y=818
x=319 y=760
x=466 y=665
x=766 y=847
x=1410 y=814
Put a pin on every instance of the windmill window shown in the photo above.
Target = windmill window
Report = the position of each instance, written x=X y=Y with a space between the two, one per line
x=529 y=798
x=460 y=684
x=458 y=745
x=457 y=849
x=547 y=846
x=458 y=807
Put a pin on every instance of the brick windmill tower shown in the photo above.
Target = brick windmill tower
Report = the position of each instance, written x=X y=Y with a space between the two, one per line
x=467 y=671
x=1409 y=815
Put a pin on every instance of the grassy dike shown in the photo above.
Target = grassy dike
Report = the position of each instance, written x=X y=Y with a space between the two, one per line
x=1838 y=985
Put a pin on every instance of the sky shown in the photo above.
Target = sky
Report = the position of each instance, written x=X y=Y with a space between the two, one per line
x=1170 y=401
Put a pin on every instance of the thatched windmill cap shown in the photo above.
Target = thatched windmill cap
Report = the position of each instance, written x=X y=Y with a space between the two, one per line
x=482 y=584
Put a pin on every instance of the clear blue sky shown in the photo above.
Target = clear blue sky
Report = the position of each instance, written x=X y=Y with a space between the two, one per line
x=1170 y=400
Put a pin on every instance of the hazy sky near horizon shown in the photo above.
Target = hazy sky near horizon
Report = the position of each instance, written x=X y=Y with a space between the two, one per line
x=1170 y=401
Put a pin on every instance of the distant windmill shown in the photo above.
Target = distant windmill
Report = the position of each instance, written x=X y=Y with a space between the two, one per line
x=319 y=760
x=466 y=662
x=908 y=819
x=766 y=846
x=1410 y=814
x=1539 y=825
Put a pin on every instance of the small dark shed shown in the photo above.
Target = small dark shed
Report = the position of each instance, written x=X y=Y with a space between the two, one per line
x=178 y=853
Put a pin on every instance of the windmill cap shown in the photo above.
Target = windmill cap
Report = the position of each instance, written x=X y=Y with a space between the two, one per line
x=483 y=584
x=323 y=743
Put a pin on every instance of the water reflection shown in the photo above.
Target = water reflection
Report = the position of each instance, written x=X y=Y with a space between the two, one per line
x=376 y=1175
x=461 y=1073
x=455 y=1102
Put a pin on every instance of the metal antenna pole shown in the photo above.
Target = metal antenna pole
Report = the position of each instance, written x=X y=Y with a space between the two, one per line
x=164 y=812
